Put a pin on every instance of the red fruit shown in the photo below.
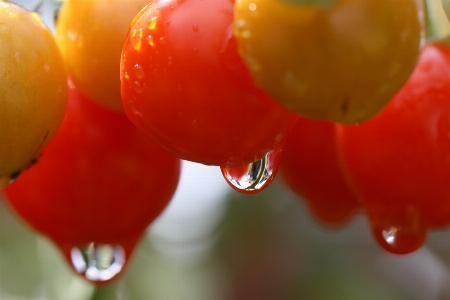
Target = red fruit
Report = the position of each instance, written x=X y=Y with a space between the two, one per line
x=185 y=85
x=310 y=168
x=96 y=188
x=399 y=161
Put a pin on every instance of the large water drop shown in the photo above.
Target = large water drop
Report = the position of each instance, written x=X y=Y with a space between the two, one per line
x=253 y=177
x=98 y=262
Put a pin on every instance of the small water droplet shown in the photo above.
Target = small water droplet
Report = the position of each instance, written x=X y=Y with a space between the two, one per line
x=150 y=41
x=138 y=71
x=253 y=177
x=137 y=46
x=399 y=232
x=153 y=23
x=134 y=33
x=252 y=6
x=137 y=87
x=126 y=75
x=141 y=33
x=169 y=60
x=98 y=262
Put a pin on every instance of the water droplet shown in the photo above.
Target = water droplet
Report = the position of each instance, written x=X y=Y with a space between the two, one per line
x=253 y=177
x=134 y=33
x=137 y=87
x=141 y=33
x=150 y=41
x=138 y=71
x=252 y=6
x=98 y=262
x=153 y=23
x=126 y=75
x=137 y=46
x=169 y=60
x=399 y=232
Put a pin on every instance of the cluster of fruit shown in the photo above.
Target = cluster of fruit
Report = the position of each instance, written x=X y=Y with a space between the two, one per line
x=345 y=96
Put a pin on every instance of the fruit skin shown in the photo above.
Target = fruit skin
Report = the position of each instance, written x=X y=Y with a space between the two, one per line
x=91 y=36
x=99 y=180
x=399 y=161
x=184 y=85
x=342 y=62
x=33 y=89
x=310 y=168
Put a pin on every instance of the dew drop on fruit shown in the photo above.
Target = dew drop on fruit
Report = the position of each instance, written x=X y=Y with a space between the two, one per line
x=138 y=71
x=137 y=46
x=137 y=87
x=153 y=23
x=253 y=177
x=399 y=232
x=150 y=41
x=98 y=262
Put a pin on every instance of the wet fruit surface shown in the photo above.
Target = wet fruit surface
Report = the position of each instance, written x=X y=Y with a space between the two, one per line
x=184 y=85
x=91 y=35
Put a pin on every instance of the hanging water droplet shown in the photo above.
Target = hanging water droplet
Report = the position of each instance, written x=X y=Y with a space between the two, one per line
x=253 y=177
x=98 y=262
x=399 y=232
x=153 y=23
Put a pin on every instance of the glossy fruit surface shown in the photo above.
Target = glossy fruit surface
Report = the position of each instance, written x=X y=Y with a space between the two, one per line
x=33 y=89
x=91 y=36
x=309 y=167
x=338 y=60
x=399 y=162
x=184 y=84
x=100 y=180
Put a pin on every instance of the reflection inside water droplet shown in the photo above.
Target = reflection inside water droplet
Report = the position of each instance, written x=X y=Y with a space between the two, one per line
x=98 y=262
x=255 y=176
x=389 y=235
